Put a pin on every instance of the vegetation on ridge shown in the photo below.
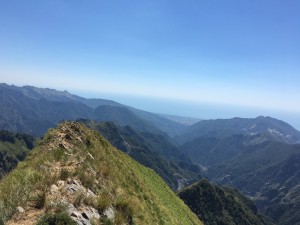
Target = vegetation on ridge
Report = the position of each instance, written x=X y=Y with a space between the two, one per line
x=74 y=156
x=176 y=170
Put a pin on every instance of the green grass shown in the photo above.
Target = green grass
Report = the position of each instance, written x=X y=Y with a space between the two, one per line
x=56 y=219
x=137 y=193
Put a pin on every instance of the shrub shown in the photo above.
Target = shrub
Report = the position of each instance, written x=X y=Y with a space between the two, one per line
x=57 y=207
x=56 y=219
x=87 y=179
x=59 y=153
x=103 y=202
x=107 y=221
x=124 y=213
x=39 y=200
x=64 y=174
x=15 y=190
x=78 y=199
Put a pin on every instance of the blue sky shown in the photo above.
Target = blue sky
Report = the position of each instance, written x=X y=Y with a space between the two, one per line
x=210 y=58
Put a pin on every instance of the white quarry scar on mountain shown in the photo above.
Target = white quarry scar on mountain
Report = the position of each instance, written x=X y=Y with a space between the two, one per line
x=274 y=131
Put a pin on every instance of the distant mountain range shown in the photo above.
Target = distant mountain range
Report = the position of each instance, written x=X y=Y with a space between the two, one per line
x=222 y=128
x=34 y=110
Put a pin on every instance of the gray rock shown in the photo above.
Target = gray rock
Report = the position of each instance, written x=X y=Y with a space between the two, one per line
x=20 y=209
x=83 y=216
x=60 y=184
x=90 y=193
x=53 y=189
x=110 y=213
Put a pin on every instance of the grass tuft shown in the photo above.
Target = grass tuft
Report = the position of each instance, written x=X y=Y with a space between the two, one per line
x=56 y=219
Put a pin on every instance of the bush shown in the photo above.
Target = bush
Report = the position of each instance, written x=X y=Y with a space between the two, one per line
x=79 y=199
x=56 y=219
x=40 y=200
x=15 y=190
x=59 y=154
x=103 y=202
x=64 y=174
x=57 y=207
x=107 y=221
x=124 y=213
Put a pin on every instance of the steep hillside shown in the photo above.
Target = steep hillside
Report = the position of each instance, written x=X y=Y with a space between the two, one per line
x=210 y=151
x=286 y=209
x=257 y=159
x=14 y=147
x=169 y=126
x=188 y=121
x=142 y=150
x=75 y=171
x=124 y=116
x=215 y=205
x=270 y=174
x=222 y=128
x=279 y=195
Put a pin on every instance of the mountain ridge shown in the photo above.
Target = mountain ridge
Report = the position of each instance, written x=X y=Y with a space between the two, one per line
x=222 y=128
x=76 y=171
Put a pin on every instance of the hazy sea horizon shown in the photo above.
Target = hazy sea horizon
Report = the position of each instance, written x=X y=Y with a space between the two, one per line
x=193 y=109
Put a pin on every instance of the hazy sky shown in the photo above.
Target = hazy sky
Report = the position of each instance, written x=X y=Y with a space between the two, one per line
x=234 y=54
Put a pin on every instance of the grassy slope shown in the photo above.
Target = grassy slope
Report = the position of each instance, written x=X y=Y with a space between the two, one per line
x=87 y=156
x=141 y=149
